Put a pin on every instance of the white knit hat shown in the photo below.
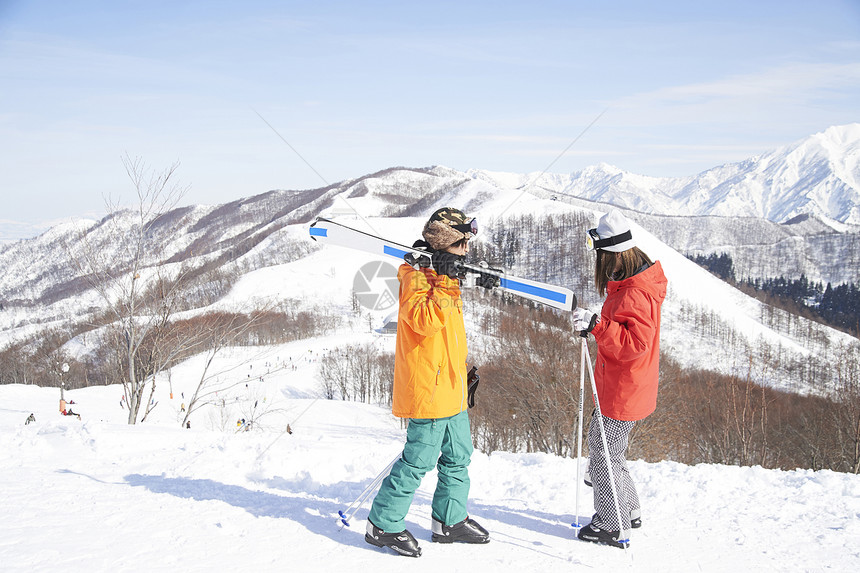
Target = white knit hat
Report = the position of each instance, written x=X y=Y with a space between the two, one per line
x=614 y=228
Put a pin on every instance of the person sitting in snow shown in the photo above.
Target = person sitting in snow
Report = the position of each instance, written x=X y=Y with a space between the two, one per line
x=626 y=370
x=430 y=390
x=70 y=413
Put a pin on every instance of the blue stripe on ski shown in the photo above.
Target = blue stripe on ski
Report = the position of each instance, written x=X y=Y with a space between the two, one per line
x=319 y=232
x=533 y=290
x=388 y=250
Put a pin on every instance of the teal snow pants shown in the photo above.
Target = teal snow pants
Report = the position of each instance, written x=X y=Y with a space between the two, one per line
x=445 y=443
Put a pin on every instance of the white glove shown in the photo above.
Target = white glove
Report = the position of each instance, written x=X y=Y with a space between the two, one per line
x=584 y=320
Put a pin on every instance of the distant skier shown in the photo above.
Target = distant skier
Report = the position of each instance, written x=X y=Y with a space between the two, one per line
x=30 y=418
x=430 y=389
x=626 y=372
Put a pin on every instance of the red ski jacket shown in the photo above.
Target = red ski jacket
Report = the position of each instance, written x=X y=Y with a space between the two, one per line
x=628 y=345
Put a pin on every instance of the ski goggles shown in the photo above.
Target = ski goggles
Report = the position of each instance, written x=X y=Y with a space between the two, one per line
x=593 y=240
x=470 y=227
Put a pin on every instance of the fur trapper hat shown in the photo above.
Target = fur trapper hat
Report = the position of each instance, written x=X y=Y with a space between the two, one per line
x=439 y=231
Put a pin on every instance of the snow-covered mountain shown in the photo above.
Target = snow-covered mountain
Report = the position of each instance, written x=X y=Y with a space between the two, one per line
x=258 y=249
x=793 y=211
x=817 y=176
x=226 y=246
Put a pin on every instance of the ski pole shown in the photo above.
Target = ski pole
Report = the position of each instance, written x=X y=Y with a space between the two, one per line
x=346 y=515
x=624 y=540
x=359 y=501
x=583 y=365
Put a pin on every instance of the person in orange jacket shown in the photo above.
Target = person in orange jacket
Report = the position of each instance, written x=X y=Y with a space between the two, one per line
x=431 y=390
x=627 y=367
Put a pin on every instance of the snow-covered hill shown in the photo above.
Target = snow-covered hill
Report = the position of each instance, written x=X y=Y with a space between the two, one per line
x=97 y=495
x=260 y=251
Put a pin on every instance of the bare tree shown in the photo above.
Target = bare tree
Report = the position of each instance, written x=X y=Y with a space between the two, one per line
x=122 y=260
x=846 y=411
x=358 y=372
x=529 y=371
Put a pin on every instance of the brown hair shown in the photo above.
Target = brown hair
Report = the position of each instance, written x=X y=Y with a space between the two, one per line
x=604 y=269
x=458 y=244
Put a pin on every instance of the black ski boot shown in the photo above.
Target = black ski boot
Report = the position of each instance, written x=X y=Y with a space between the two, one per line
x=467 y=531
x=596 y=535
x=402 y=542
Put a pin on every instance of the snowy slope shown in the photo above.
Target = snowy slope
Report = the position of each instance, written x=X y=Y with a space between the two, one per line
x=97 y=495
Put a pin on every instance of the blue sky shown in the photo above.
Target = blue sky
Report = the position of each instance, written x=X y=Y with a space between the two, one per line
x=358 y=87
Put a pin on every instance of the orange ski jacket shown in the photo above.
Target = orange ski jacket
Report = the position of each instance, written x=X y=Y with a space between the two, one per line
x=430 y=357
x=628 y=345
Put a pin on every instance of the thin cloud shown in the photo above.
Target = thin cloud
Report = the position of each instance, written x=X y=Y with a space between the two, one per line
x=789 y=85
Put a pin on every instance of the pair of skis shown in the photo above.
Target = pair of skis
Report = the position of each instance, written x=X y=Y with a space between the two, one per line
x=330 y=232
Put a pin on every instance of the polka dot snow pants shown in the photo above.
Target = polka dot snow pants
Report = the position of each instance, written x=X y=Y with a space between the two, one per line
x=617 y=435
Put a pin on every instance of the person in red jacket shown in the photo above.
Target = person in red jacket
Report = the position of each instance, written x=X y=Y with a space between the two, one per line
x=626 y=372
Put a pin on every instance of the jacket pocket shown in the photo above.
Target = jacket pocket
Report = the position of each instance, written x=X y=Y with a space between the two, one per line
x=435 y=386
x=425 y=379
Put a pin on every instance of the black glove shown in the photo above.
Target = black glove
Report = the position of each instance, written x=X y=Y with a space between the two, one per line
x=418 y=260
x=445 y=263
x=472 y=382
x=487 y=281
x=414 y=260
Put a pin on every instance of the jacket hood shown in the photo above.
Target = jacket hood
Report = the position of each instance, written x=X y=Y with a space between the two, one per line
x=652 y=280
